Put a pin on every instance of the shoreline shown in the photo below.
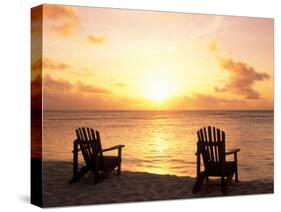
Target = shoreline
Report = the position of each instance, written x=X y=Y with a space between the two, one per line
x=133 y=187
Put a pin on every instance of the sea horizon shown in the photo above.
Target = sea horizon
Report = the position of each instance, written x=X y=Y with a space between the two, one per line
x=47 y=110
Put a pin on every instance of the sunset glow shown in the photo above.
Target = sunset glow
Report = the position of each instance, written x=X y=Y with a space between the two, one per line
x=159 y=89
x=100 y=59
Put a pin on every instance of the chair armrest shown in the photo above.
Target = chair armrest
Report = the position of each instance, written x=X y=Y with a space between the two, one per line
x=120 y=146
x=232 y=151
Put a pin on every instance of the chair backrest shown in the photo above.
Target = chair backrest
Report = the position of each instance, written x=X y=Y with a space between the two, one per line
x=211 y=144
x=90 y=145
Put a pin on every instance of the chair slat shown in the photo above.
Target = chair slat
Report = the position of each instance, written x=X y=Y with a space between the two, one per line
x=219 y=144
x=98 y=141
x=216 y=144
x=202 y=148
x=211 y=144
x=223 y=146
x=94 y=141
x=78 y=134
x=206 y=142
x=86 y=144
x=89 y=145
x=82 y=144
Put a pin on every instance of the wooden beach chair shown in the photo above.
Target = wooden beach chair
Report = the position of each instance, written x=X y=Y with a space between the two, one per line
x=211 y=146
x=89 y=144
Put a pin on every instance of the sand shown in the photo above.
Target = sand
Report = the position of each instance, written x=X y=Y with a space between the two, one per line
x=132 y=187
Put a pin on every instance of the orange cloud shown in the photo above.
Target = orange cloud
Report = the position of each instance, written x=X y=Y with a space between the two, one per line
x=62 y=85
x=78 y=87
x=61 y=94
x=120 y=85
x=90 y=88
x=242 y=79
x=96 y=39
x=213 y=48
x=61 y=19
x=48 y=64
x=52 y=65
x=208 y=101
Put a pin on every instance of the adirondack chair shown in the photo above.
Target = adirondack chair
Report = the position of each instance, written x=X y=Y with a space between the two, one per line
x=88 y=142
x=211 y=147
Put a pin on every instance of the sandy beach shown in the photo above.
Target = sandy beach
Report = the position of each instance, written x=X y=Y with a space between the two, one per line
x=132 y=187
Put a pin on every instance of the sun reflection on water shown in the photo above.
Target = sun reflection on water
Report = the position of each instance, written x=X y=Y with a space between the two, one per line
x=159 y=145
x=165 y=142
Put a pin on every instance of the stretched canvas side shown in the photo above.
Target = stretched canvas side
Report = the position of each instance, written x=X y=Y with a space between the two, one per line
x=36 y=105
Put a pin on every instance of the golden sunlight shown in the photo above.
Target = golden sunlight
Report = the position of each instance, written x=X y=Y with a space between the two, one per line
x=158 y=90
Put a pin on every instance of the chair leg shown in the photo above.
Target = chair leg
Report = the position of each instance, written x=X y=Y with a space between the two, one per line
x=119 y=170
x=223 y=184
x=228 y=179
x=236 y=167
x=199 y=181
x=119 y=164
x=236 y=174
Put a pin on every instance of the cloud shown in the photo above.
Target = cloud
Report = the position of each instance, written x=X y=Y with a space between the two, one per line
x=78 y=87
x=201 y=101
x=206 y=101
x=84 y=72
x=61 y=94
x=62 y=85
x=76 y=101
x=96 y=39
x=50 y=64
x=213 y=48
x=61 y=19
x=120 y=85
x=91 y=89
x=205 y=26
x=242 y=78
x=46 y=63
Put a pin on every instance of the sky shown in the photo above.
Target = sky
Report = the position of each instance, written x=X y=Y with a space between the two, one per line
x=114 y=59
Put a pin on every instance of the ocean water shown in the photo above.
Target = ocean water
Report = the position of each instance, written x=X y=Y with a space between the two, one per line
x=164 y=142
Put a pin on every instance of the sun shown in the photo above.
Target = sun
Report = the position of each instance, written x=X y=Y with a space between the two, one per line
x=158 y=90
